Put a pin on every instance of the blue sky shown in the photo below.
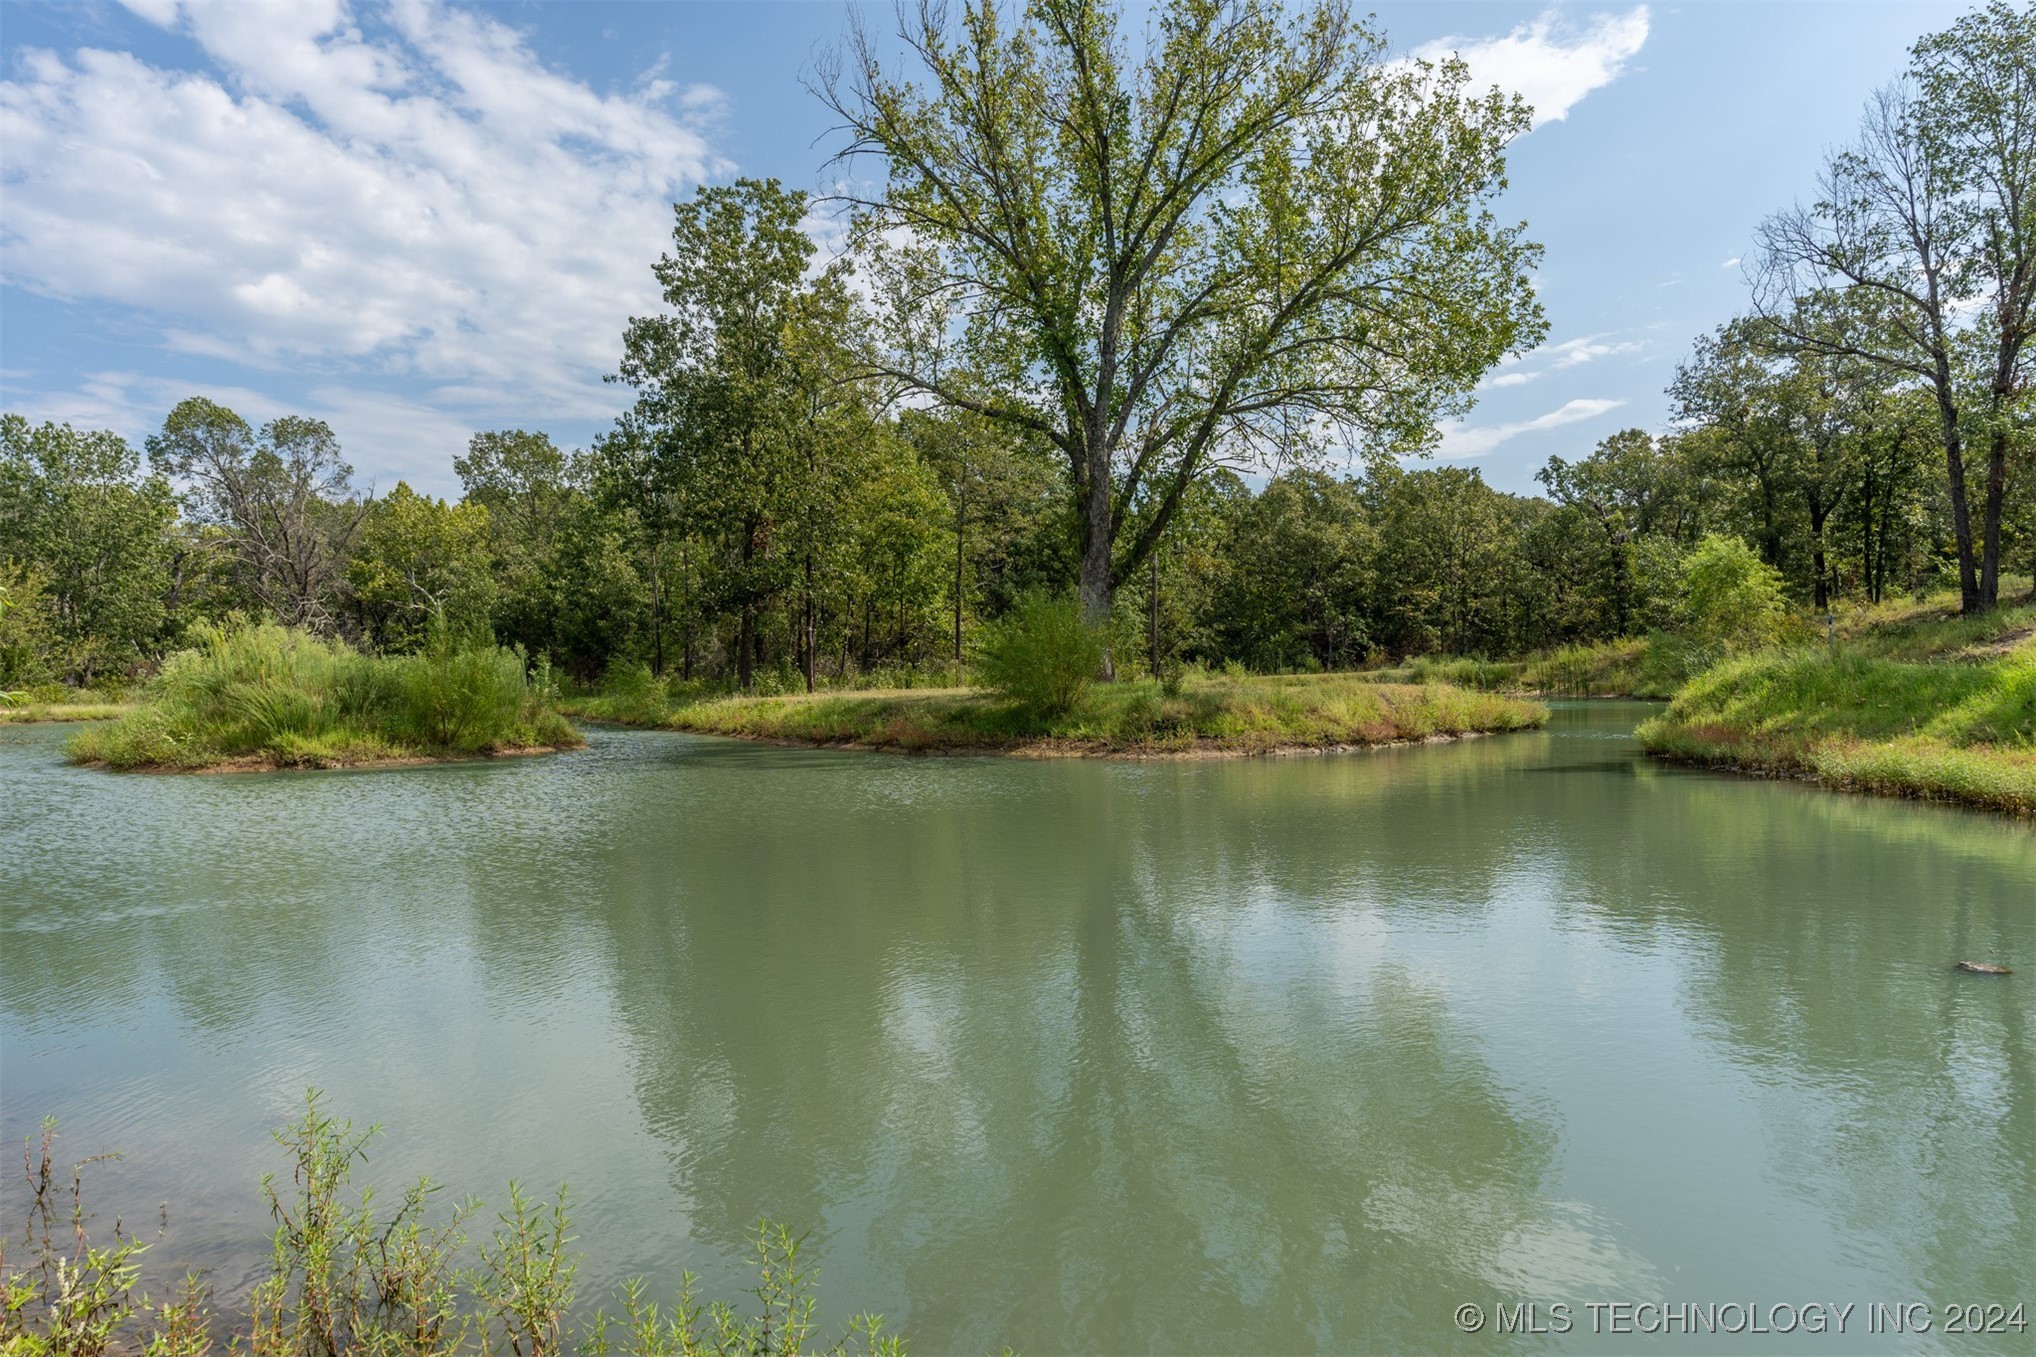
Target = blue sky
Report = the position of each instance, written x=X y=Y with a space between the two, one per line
x=422 y=218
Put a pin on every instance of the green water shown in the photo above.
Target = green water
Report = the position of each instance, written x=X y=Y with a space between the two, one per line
x=1275 y=1055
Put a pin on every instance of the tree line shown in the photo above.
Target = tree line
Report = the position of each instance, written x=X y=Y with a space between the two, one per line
x=1166 y=331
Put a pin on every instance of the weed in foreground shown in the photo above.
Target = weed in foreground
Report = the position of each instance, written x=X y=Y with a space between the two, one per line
x=349 y=1278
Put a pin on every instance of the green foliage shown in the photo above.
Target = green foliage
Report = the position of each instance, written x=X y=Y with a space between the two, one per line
x=1732 y=600
x=421 y=561
x=460 y=690
x=351 y=1277
x=279 y=502
x=1926 y=714
x=750 y=434
x=1297 y=574
x=343 y=1277
x=1120 y=265
x=1650 y=666
x=768 y=514
x=75 y=1297
x=275 y=696
x=86 y=548
x=1043 y=655
x=783 y=1325
x=1182 y=232
x=1917 y=256
x=28 y=630
x=525 y=1282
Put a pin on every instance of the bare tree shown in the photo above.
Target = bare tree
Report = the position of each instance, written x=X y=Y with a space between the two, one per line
x=282 y=496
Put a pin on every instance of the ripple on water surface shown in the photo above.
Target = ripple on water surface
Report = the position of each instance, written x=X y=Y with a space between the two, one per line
x=1254 y=1054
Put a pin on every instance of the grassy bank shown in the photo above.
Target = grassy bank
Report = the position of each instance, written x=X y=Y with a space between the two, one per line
x=1908 y=701
x=39 y=702
x=270 y=697
x=1639 y=666
x=1208 y=716
x=25 y=713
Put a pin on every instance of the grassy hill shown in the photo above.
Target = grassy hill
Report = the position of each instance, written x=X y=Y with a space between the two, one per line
x=1907 y=699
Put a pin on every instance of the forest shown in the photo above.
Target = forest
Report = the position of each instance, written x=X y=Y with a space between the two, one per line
x=834 y=472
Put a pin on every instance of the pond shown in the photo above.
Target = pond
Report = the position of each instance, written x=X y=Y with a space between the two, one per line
x=1255 y=1055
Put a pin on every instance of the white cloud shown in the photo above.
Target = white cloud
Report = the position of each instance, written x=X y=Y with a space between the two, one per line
x=388 y=437
x=1538 y=363
x=1460 y=441
x=1731 y=263
x=1550 y=62
x=1576 y=352
x=396 y=201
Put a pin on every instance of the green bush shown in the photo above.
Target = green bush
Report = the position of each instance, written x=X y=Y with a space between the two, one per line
x=1042 y=655
x=1732 y=600
x=289 y=698
x=457 y=692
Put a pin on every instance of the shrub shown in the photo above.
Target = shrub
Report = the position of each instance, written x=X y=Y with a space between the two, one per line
x=1732 y=600
x=461 y=693
x=1042 y=655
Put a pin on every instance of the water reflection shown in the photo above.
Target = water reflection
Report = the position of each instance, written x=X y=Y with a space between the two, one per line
x=1253 y=1055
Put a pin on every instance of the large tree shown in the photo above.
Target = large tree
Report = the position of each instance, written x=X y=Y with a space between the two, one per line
x=282 y=496
x=1930 y=220
x=422 y=564
x=738 y=386
x=1244 y=233
x=1737 y=398
x=95 y=535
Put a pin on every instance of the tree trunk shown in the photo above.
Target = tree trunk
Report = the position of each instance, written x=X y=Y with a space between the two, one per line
x=1990 y=524
x=686 y=634
x=1153 y=622
x=1820 y=587
x=745 y=673
x=810 y=628
x=1096 y=593
x=1961 y=513
x=960 y=521
x=745 y=667
x=657 y=612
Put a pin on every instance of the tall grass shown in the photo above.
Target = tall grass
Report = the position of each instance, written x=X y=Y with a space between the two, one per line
x=281 y=697
x=629 y=693
x=355 y=1273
